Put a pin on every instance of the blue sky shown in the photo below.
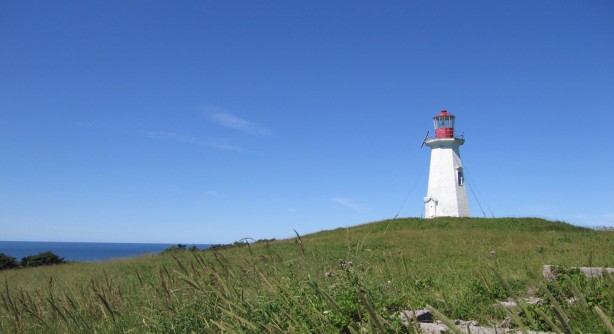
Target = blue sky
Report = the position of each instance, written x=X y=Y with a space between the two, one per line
x=211 y=121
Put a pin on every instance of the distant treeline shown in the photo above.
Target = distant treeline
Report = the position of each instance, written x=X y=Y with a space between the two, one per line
x=193 y=248
x=41 y=259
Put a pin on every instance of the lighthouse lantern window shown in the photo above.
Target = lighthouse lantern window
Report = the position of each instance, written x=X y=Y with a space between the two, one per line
x=440 y=122
x=444 y=122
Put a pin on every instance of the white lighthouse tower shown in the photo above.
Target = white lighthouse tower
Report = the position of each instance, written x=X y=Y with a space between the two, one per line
x=446 y=195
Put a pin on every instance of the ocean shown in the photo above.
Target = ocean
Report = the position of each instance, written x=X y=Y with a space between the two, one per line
x=83 y=251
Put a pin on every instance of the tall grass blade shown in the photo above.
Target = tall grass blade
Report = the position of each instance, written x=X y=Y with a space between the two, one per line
x=330 y=299
x=72 y=317
x=57 y=309
x=576 y=292
x=563 y=319
x=239 y=318
x=190 y=282
x=194 y=270
x=224 y=328
x=360 y=246
x=199 y=259
x=549 y=321
x=274 y=328
x=35 y=315
x=168 y=275
x=139 y=277
x=605 y=319
x=451 y=325
x=300 y=242
x=223 y=285
x=76 y=308
x=108 y=281
x=372 y=315
x=9 y=302
x=517 y=320
x=183 y=268
x=164 y=283
x=518 y=301
x=404 y=265
x=555 y=304
x=249 y=247
x=352 y=330
x=106 y=305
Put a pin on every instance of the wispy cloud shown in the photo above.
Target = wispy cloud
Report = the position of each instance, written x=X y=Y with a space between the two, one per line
x=348 y=203
x=186 y=139
x=161 y=135
x=236 y=123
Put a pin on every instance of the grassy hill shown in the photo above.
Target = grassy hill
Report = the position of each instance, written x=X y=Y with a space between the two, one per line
x=461 y=267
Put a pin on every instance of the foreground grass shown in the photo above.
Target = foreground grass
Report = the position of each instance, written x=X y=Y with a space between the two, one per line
x=459 y=266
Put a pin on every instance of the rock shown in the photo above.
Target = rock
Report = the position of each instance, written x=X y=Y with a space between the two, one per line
x=589 y=272
x=427 y=326
x=532 y=291
x=432 y=328
x=420 y=315
x=506 y=323
x=507 y=303
x=510 y=303
x=548 y=274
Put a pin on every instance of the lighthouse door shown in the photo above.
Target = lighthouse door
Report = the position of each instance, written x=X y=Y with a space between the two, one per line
x=432 y=209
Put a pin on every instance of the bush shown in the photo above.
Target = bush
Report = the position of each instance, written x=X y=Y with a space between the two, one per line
x=226 y=246
x=179 y=248
x=46 y=258
x=7 y=262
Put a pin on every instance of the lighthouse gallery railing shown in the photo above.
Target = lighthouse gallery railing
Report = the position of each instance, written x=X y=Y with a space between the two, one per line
x=456 y=134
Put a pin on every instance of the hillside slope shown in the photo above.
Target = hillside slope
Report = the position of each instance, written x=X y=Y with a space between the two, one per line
x=300 y=285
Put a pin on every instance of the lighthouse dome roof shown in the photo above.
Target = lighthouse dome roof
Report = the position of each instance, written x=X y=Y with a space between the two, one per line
x=444 y=113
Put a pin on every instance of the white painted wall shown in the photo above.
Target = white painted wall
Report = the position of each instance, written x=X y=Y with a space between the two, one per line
x=445 y=196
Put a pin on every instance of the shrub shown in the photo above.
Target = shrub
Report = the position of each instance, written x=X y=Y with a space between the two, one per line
x=7 y=262
x=46 y=258
x=179 y=248
x=226 y=246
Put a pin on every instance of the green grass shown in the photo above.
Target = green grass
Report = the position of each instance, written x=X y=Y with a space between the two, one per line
x=280 y=286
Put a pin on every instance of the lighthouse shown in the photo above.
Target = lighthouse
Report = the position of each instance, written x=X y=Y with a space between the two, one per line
x=446 y=195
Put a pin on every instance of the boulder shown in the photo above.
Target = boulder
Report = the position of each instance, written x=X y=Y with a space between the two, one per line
x=419 y=315
x=589 y=272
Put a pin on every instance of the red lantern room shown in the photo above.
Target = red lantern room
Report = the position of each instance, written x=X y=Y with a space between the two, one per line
x=444 y=125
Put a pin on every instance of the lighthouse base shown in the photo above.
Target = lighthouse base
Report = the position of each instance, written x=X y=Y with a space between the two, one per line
x=447 y=195
x=433 y=210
